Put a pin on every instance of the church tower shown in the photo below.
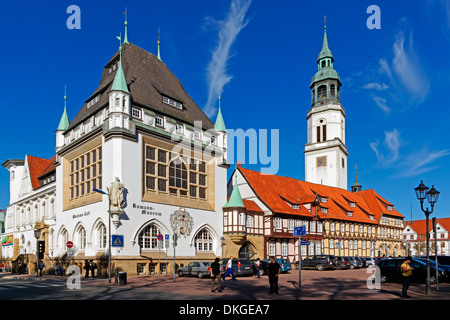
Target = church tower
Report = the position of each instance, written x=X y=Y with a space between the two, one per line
x=325 y=151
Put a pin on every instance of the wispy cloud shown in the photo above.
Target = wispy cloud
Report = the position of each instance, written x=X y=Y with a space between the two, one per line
x=392 y=144
x=409 y=165
x=405 y=72
x=376 y=86
x=229 y=29
x=381 y=102
x=421 y=162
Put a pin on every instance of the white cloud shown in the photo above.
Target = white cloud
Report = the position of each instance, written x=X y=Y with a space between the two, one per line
x=376 y=86
x=381 y=102
x=421 y=162
x=217 y=75
x=405 y=71
x=392 y=144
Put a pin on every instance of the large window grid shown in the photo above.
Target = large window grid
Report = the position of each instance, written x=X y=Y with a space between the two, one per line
x=86 y=173
x=204 y=241
x=168 y=172
x=148 y=238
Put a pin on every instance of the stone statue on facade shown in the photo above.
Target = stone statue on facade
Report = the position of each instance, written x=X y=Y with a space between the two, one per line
x=116 y=199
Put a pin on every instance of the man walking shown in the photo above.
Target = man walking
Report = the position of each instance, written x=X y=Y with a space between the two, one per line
x=406 y=276
x=215 y=273
x=273 y=270
x=229 y=269
x=258 y=268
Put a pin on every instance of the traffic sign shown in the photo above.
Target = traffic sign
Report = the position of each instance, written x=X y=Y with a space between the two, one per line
x=305 y=243
x=117 y=240
x=299 y=231
x=166 y=242
x=160 y=237
x=69 y=244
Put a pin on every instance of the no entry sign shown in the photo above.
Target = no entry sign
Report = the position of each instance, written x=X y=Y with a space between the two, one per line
x=69 y=244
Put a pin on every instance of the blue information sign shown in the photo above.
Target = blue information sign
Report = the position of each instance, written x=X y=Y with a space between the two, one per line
x=299 y=231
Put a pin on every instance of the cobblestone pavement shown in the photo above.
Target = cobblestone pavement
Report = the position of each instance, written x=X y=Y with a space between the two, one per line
x=316 y=285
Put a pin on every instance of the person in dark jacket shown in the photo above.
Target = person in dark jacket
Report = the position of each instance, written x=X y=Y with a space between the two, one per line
x=215 y=273
x=273 y=270
x=86 y=267
x=93 y=266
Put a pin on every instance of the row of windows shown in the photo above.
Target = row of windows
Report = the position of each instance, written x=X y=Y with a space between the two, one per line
x=168 y=172
x=148 y=239
x=80 y=240
x=86 y=173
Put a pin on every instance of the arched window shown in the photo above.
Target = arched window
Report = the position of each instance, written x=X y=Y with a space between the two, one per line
x=148 y=237
x=178 y=177
x=52 y=208
x=322 y=91
x=204 y=241
x=43 y=211
x=323 y=63
x=332 y=91
x=63 y=238
x=101 y=232
x=35 y=213
x=81 y=238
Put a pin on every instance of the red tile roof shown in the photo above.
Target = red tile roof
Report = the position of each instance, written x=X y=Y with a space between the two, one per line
x=277 y=192
x=420 y=226
x=36 y=167
x=49 y=169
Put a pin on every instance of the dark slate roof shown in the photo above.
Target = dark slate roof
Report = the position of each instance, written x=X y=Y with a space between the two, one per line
x=148 y=79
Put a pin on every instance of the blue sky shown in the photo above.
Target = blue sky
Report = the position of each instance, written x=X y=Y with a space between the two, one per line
x=262 y=55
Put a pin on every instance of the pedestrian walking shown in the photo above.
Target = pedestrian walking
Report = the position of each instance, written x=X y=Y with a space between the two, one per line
x=40 y=267
x=273 y=270
x=86 y=267
x=215 y=273
x=229 y=269
x=258 y=268
x=93 y=267
x=406 y=276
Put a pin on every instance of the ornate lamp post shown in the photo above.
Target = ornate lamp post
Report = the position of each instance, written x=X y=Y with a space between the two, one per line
x=432 y=196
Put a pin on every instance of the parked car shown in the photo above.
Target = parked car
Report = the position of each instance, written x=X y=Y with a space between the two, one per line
x=195 y=268
x=285 y=265
x=354 y=263
x=370 y=261
x=342 y=263
x=319 y=262
x=390 y=271
x=442 y=260
x=263 y=267
x=433 y=264
x=241 y=266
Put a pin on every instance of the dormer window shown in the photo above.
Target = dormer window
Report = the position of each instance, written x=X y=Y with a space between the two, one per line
x=136 y=113
x=159 y=121
x=179 y=128
x=352 y=204
x=323 y=199
x=389 y=208
x=93 y=101
x=349 y=214
x=172 y=102
x=197 y=135
x=324 y=210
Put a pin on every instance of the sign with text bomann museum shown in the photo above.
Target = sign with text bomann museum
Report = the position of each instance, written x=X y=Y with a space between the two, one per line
x=148 y=210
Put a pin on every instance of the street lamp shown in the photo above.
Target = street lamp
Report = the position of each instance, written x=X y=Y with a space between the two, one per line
x=432 y=195
x=109 y=231
x=37 y=235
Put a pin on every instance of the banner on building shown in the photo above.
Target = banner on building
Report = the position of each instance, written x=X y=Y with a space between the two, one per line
x=7 y=240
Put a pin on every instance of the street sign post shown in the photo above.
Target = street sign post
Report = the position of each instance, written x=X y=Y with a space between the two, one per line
x=175 y=238
x=160 y=239
x=166 y=243
x=300 y=231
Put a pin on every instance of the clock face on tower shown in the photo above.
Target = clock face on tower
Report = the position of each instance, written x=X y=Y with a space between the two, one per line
x=321 y=161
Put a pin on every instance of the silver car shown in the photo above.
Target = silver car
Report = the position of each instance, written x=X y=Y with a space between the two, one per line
x=370 y=261
x=195 y=268
x=355 y=262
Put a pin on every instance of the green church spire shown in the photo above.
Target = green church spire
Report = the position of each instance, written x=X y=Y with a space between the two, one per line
x=235 y=200
x=126 y=28
x=120 y=83
x=325 y=52
x=159 y=42
x=220 y=124
x=64 y=122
